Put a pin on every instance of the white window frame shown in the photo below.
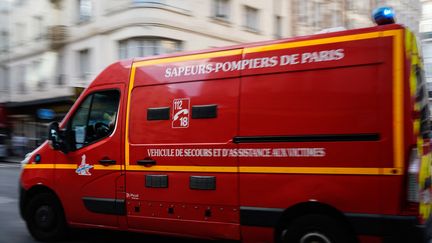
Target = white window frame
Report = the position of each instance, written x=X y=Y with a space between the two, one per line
x=39 y=27
x=251 y=18
x=21 y=74
x=147 y=46
x=221 y=9
x=303 y=10
x=278 y=26
x=84 y=62
x=85 y=10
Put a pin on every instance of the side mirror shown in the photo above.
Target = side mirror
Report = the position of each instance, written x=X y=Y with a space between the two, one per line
x=54 y=136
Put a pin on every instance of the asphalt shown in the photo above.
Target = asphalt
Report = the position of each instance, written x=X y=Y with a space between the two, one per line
x=12 y=227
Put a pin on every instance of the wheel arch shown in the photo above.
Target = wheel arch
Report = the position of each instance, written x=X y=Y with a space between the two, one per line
x=27 y=195
x=310 y=207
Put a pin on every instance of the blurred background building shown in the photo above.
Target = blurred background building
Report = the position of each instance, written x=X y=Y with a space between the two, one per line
x=426 y=42
x=51 y=49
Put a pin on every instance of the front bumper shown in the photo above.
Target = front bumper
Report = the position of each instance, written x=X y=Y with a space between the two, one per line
x=392 y=228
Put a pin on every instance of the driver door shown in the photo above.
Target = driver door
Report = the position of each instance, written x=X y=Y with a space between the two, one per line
x=89 y=176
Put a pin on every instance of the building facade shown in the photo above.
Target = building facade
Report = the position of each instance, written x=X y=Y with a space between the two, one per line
x=48 y=48
x=30 y=78
x=102 y=32
x=426 y=43
x=311 y=16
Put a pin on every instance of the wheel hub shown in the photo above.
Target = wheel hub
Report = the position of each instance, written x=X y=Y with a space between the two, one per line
x=44 y=217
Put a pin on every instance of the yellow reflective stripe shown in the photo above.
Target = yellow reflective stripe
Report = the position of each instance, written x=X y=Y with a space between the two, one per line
x=189 y=57
x=420 y=145
x=408 y=42
x=234 y=169
x=415 y=50
x=131 y=83
x=271 y=47
x=416 y=127
x=66 y=166
x=40 y=166
x=392 y=171
x=413 y=83
x=411 y=48
x=69 y=166
x=305 y=43
x=398 y=129
x=108 y=167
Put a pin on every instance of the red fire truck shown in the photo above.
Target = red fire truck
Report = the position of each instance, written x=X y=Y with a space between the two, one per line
x=322 y=138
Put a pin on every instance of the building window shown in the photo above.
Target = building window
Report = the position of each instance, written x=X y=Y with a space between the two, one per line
x=302 y=10
x=20 y=33
x=428 y=71
x=251 y=19
x=278 y=27
x=37 y=75
x=84 y=64
x=21 y=76
x=350 y=5
x=60 y=77
x=141 y=47
x=427 y=49
x=85 y=10
x=221 y=9
x=317 y=20
x=429 y=88
x=4 y=39
x=336 y=18
x=38 y=27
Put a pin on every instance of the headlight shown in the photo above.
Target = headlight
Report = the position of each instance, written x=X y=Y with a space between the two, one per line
x=26 y=159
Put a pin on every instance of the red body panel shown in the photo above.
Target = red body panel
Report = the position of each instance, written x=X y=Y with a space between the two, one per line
x=189 y=205
x=30 y=178
x=278 y=92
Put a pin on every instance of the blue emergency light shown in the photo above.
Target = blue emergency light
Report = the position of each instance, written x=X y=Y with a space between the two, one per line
x=383 y=15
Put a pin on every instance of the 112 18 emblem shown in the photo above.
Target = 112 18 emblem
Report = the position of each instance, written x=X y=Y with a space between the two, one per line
x=181 y=111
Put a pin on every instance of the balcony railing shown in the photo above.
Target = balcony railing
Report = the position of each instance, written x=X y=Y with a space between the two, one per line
x=57 y=35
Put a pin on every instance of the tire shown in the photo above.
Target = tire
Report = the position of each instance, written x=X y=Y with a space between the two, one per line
x=45 y=218
x=315 y=228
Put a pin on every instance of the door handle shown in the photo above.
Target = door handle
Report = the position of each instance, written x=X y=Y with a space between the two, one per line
x=107 y=162
x=146 y=162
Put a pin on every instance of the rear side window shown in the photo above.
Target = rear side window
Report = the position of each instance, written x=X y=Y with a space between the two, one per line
x=95 y=118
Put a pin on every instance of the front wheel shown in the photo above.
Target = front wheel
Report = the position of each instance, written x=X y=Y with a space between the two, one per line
x=315 y=228
x=45 y=218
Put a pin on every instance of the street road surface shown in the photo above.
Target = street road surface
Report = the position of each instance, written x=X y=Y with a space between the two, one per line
x=13 y=229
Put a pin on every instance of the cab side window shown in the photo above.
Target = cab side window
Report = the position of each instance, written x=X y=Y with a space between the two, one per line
x=95 y=118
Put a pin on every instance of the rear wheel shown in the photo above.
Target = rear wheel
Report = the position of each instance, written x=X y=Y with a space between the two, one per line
x=315 y=228
x=45 y=218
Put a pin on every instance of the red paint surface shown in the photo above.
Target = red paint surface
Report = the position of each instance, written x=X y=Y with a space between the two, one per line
x=349 y=96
